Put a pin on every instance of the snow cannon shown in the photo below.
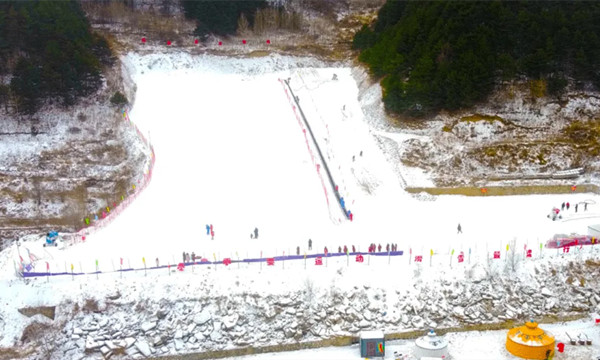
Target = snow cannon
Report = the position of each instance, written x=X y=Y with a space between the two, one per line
x=51 y=238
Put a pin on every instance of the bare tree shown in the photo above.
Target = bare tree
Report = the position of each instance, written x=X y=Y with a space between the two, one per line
x=243 y=25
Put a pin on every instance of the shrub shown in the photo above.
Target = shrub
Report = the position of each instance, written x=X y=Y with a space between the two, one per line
x=118 y=99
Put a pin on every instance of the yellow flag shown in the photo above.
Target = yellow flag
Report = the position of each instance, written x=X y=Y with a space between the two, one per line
x=506 y=247
x=215 y=256
x=431 y=252
x=144 y=260
x=71 y=267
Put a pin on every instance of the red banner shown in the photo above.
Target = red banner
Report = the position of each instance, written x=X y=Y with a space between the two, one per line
x=226 y=261
x=496 y=254
x=418 y=258
x=359 y=258
x=566 y=249
x=319 y=261
x=529 y=253
x=270 y=261
x=461 y=257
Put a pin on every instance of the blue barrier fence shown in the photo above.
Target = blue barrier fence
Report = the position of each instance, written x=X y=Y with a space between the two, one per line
x=30 y=274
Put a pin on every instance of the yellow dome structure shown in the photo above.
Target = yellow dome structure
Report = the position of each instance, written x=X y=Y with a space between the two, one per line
x=530 y=342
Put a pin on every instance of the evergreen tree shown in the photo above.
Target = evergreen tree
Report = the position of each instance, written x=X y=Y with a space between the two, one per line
x=221 y=17
x=448 y=55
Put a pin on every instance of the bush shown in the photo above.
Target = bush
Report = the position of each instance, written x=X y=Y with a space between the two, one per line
x=118 y=99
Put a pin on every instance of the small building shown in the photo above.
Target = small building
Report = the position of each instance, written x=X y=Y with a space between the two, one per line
x=372 y=344
x=431 y=346
x=530 y=342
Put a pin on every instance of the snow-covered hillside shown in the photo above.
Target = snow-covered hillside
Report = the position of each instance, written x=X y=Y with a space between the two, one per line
x=232 y=151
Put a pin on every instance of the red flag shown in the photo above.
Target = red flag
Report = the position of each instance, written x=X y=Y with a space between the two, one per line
x=270 y=261
x=318 y=260
x=529 y=253
x=227 y=261
x=47 y=267
x=204 y=260
x=597 y=321
x=359 y=258
x=121 y=261
x=418 y=258
x=496 y=254
x=181 y=266
x=461 y=257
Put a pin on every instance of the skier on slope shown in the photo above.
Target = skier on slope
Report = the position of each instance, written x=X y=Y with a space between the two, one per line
x=309 y=244
x=207 y=229
x=256 y=233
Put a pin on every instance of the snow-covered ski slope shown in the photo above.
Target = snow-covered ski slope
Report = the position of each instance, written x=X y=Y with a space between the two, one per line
x=230 y=152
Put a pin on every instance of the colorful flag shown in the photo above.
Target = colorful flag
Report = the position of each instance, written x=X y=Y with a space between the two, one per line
x=496 y=254
x=529 y=253
x=431 y=252
x=506 y=247
x=461 y=257
x=72 y=267
x=318 y=260
x=144 y=260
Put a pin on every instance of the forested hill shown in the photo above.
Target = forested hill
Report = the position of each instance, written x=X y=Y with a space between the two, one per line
x=450 y=54
x=50 y=52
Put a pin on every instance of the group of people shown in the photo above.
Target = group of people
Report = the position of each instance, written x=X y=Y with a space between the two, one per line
x=388 y=247
x=210 y=231
x=568 y=205
x=186 y=257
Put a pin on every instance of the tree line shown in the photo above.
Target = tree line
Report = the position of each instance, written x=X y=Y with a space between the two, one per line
x=49 y=54
x=452 y=54
x=228 y=17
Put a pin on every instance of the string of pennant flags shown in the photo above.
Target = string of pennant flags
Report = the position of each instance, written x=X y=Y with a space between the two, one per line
x=318 y=259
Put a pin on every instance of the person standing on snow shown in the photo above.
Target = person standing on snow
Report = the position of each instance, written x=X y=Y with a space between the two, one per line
x=297 y=250
x=256 y=233
x=568 y=205
x=562 y=207
x=379 y=248
x=339 y=249
x=576 y=206
x=207 y=229
x=459 y=229
x=309 y=244
x=584 y=206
